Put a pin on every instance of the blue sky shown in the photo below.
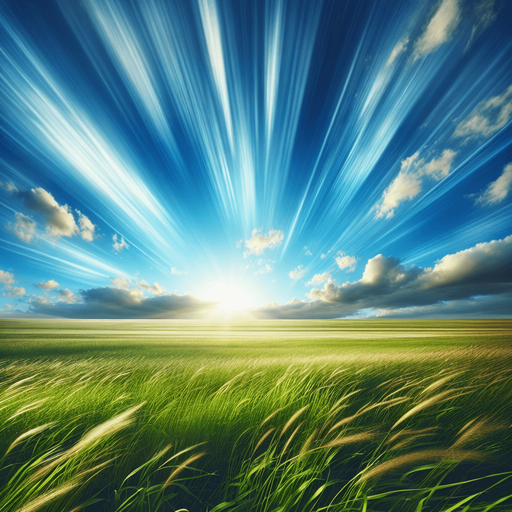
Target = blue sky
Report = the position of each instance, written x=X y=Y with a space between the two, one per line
x=263 y=159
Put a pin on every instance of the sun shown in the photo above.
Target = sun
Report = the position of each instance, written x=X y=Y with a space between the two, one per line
x=230 y=297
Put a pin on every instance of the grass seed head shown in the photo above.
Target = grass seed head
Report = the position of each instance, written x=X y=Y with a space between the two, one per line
x=479 y=430
x=180 y=468
x=30 y=433
x=422 y=456
x=290 y=422
x=44 y=499
x=423 y=405
x=262 y=440
x=356 y=438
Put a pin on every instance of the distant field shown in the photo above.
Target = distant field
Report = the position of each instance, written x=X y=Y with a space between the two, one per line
x=380 y=415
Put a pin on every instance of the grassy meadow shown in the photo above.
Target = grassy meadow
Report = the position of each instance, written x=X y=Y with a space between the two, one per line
x=367 y=416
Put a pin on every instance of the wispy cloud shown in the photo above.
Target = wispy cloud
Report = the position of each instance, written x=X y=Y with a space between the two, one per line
x=298 y=273
x=399 y=48
x=498 y=189
x=487 y=118
x=439 y=29
x=407 y=185
x=119 y=244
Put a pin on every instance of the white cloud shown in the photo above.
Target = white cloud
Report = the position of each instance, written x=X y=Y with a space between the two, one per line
x=177 y=272
x=48 y=285
x=6 y=277
x=24 y=228
x=487 y=118
x=407 y=185
x=68 y=296
x=155 y=289
x=258 y=243
x=58 y=219
x=309 y=253
x=440 y=28
x=119 y=245
x=240 y=243
x=346 y=262
x=87 y=228
x=497 y=190
x=120 y=282
x=298 y=273
x=17 y=292
x=318 y=279
x=404 y=187
x=439 y=168
x=323 y=256
x=399 y=48
x=264 y=270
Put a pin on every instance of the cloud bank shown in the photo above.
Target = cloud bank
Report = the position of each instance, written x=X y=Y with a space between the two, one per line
x=118 y=303
x=388 y=285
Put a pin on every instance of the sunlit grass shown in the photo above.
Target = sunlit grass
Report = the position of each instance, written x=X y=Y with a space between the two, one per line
x=270 y=416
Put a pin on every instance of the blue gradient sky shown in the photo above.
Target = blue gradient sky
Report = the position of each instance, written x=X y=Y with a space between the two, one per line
x=291 y=159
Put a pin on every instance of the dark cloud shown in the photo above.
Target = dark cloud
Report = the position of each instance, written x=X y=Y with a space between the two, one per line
x=106 y=303
x=493 y=306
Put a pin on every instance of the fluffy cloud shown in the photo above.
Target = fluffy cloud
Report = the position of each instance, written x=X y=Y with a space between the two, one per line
x=259 y=242
x=438 y=168
x=407 y=185
x=67 y=296
x=482 y=270
x=117 y=303
x=298 y=273
x=87 y=228
x=24 y=227
x=497 y=190
x=439 y=29
x=155 y=289
x=346 y=262
x=119 y=245
x=319 y=279
x=6 y=277
x=57 y=219
x=399 y=48
x=16 y=292
x=487 y=118
x=120 y=282
x=48 y=285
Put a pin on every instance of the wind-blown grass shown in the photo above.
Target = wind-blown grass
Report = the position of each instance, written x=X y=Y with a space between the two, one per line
x=273 y=416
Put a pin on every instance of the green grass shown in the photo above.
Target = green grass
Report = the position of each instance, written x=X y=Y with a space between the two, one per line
x=264 y=416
